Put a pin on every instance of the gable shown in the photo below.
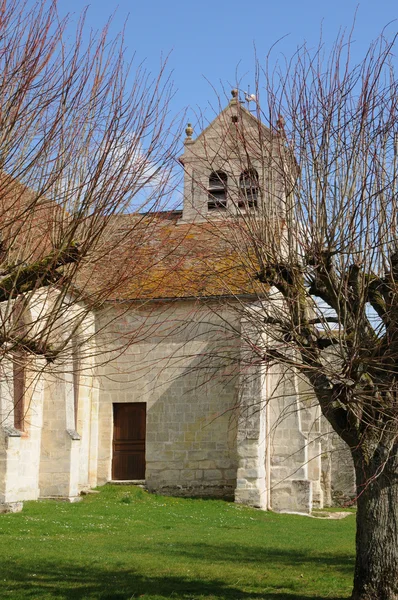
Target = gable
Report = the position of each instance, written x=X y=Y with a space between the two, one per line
x=226 y=121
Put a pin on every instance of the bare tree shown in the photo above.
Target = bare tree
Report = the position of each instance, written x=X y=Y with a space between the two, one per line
x=86 y=146
x=311 y=202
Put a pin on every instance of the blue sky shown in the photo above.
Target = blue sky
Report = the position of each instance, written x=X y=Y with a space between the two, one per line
x=210 y=39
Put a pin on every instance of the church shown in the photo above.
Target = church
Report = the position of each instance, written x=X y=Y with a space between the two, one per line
x=165 y=388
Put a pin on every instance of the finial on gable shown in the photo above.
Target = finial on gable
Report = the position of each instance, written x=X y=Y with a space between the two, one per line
x=235 y=96
x=280 y=124
x=189 y=132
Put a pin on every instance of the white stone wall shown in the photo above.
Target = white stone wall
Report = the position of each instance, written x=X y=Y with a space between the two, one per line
x=59 y=456
x=251 y=488
x=47 y=458
x=68 y=460
x=175 y=367
x=338 y=473
x=311 y=426
x=211 y=429
x=20 y=451
x=291 y=486
x=217 y=423
x=87 y=416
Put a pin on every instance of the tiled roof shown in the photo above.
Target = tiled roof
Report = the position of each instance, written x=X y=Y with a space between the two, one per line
x=28 y=222
x=136 y=257
x=163 y=258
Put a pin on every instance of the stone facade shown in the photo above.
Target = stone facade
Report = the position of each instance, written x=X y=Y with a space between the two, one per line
x=210 y=432
x=211 y=429
x=219 y=148
x=190 y=429
x=218 y=424
x=48 y=458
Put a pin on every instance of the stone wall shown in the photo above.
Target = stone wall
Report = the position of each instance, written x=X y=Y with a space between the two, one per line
x=338 y=474
x=221 y=147
x=48 y=458
x=20 y=450
x=69 y=441
x=179 y=368
x=251 y=485
x=291 y=486
x=218 y=422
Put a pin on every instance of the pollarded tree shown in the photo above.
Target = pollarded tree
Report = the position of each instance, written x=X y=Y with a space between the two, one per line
x=315 y=210
x=84 y=141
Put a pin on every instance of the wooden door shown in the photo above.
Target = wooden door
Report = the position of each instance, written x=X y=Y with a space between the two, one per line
x=129 y=425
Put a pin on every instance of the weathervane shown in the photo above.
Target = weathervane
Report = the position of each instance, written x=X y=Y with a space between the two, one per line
x=249 y=98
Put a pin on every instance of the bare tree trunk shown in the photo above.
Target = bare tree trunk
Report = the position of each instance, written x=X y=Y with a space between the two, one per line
x=376 y=568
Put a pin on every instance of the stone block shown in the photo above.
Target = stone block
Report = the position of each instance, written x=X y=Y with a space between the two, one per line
x=192 y=464
x=169 y=475
x=212 y=474
x=207 y=464
x=198 y=455
x=241 y=482
x=11 y=507
x=255 y=473
x=221 y=463
x=250 y=497
x=292 y=496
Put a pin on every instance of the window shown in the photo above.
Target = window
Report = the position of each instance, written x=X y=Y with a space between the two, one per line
x=217 y=197
x=76 y=376
x=19 y=363
x=248 y=184
x=19 y=382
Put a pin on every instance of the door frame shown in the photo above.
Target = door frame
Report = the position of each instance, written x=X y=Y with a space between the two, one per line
x=144 y=407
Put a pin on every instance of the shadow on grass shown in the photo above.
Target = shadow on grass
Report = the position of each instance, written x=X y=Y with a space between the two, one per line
x=65 y=581
x=277 y=557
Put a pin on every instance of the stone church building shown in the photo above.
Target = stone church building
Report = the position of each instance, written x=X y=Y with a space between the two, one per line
x=184 y=408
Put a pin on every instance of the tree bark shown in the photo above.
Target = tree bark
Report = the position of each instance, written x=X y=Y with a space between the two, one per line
x=376 y=568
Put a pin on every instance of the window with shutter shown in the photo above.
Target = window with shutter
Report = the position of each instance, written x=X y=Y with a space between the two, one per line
x=248 y=184
x=217 y=191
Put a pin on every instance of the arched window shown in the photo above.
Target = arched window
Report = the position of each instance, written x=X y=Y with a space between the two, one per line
x=217 y=192
x=248 y=184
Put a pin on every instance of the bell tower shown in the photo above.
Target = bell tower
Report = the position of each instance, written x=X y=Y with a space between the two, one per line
x=233 y=167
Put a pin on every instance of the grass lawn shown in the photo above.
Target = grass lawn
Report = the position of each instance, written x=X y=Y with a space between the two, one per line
x=125 y=543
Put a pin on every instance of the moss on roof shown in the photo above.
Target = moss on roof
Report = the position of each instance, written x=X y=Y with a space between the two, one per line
x=162 y=258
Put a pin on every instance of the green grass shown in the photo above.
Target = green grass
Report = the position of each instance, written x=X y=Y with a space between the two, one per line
x=125 y=543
